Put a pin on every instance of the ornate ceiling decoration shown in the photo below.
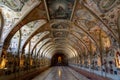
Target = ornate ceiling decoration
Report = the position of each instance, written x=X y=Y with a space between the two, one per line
x=65 y=25
x=60 y=9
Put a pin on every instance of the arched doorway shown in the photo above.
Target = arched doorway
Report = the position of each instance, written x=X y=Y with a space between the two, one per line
x=59 y=59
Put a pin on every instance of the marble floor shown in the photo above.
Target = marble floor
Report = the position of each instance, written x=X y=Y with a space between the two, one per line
x=60 y=73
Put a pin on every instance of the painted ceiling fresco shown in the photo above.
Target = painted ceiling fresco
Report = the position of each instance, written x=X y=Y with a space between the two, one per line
x=108 y=11
x=15 y=5
x=81 y=25
x=107 y=5
x=60 y=9
x=60 y=30
x=13 y=12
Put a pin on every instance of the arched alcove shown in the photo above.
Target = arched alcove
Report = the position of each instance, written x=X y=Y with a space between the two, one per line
x=59 y=59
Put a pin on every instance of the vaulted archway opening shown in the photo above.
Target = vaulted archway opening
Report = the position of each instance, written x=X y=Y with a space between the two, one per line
x=59 y=59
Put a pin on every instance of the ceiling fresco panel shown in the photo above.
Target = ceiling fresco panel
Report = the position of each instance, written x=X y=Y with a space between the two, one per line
x=15 y=5
x=60 y=33
x=60 y=26
x=106 y=5
x=60 y=9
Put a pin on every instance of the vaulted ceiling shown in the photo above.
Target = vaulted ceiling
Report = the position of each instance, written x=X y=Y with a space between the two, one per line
x=72 y=27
